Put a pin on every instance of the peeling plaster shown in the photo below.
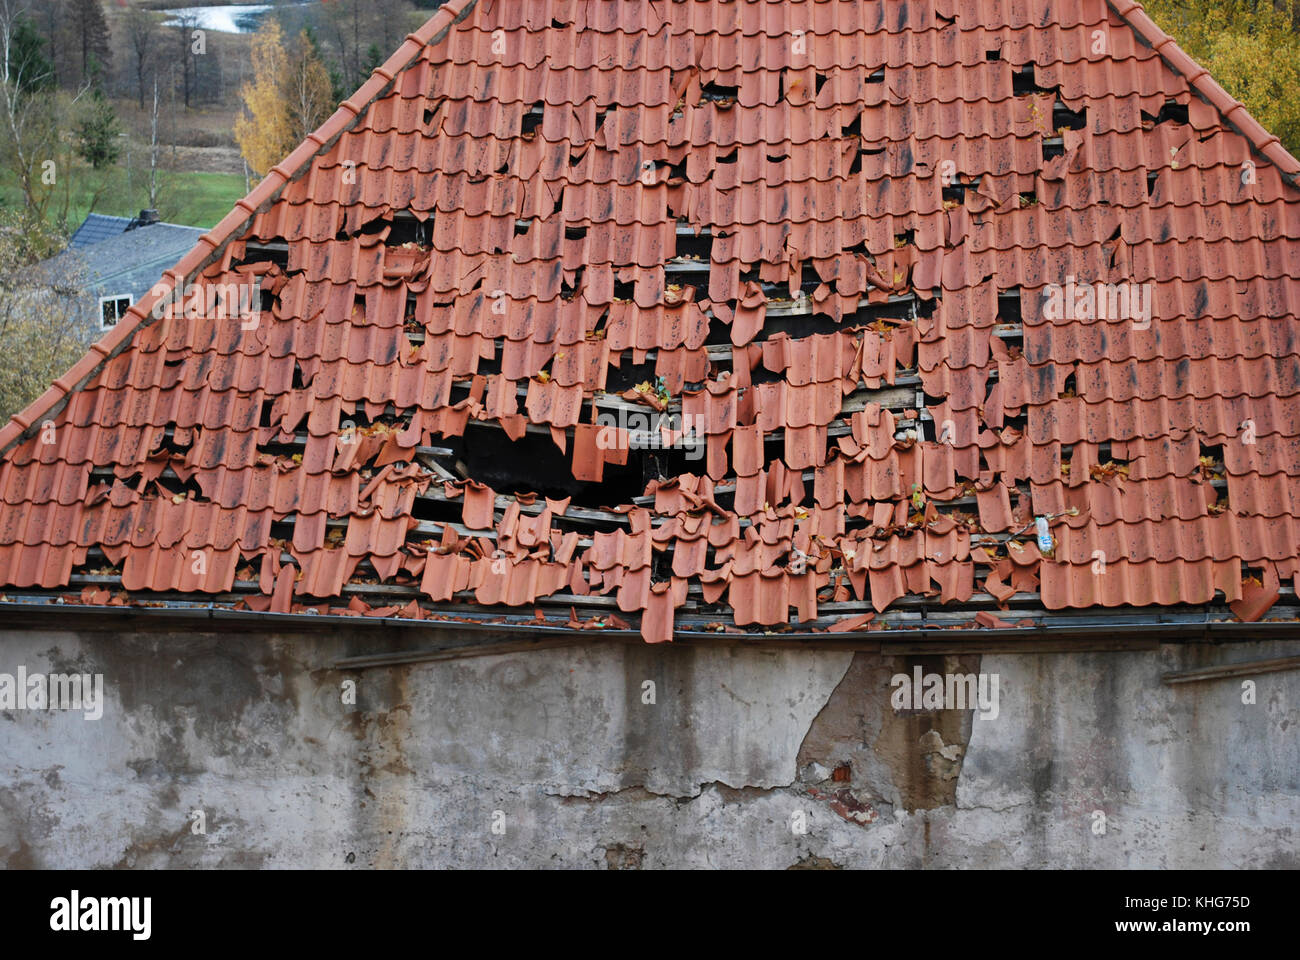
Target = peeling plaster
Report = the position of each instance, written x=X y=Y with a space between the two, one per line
x=584 y=774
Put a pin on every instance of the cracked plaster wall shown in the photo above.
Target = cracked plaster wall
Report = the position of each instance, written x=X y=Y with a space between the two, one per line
x=740 y=744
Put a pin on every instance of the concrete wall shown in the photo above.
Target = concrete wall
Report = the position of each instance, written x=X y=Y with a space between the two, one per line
x=739 y=744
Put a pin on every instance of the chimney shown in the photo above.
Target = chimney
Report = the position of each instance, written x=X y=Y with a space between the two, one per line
x=146 y=217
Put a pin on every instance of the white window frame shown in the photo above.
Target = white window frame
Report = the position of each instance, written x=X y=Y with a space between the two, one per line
x=114 y=298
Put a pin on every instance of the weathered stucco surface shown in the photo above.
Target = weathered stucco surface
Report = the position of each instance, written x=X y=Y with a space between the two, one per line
x=738 y=746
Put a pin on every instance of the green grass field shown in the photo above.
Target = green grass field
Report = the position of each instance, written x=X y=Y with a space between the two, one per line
x=193 y=199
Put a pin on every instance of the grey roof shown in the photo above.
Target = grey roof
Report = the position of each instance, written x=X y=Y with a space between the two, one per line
x=97 y=227
x=135 y=261
x=130 y=262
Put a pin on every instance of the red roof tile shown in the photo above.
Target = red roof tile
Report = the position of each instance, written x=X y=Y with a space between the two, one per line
x=833 y=231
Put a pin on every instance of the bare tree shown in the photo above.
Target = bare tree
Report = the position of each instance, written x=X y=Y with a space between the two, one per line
x=29 y=131
x=153 y=150
x=141 y=34
x=186 y=24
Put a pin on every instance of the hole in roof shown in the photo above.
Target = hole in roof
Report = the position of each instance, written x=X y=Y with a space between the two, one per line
x=1065 y=118
x=731 y=157
x=779 y=158
x=714 y=92
x=534 y=464
x=600 y=117
x=854 y=128
x=1024 y=82
x=695 y=247
x=904 y=238
x=821 y=81
x=676 y=171
x=624 y=290
x=522 y=227
x=575 y=233
x=1053 y=148
x=274 y=251
x=1028 y=198
x=1152 y=175
x=992 y=55
x=1171 y=112
x=946 y=21
x=431 y=112
x=567 y=291
x=627 y=375
x=532 y=119
x=1009 y=306
x=407 y=229
x=877 y=77
x=954 y=194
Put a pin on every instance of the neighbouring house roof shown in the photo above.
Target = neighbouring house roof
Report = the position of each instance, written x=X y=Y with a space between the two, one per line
x=533 y=208
x=131 y=261
x=97 y=227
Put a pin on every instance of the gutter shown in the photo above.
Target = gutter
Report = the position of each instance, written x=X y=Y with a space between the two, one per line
x=454 y=639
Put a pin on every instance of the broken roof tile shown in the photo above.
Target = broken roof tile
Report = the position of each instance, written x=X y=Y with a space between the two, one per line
x=699 y=219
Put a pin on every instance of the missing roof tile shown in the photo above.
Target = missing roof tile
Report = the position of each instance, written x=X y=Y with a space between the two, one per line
x=1063 y=118
x=532 y=119
x=1024 y=82
x=1170 y=112
x=714 y=92
x=567 y=291
x=1009 y=310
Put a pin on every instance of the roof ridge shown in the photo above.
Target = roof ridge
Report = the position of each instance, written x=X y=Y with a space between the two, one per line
x=215 y=240
x=1266 y=144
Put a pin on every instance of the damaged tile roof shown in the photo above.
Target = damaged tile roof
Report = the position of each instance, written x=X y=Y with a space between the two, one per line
x=913 y=280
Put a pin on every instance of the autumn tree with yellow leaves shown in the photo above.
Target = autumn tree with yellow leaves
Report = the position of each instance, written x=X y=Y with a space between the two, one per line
x=1250 y=47
x=288 y=97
